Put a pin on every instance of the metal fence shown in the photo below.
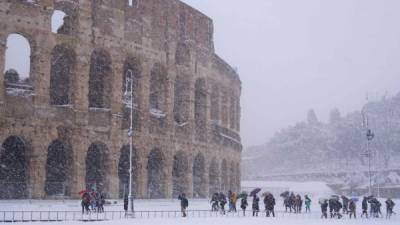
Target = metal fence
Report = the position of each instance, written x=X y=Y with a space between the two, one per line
x=43 y=216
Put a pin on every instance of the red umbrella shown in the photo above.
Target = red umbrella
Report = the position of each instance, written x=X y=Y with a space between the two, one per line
x=84 y=191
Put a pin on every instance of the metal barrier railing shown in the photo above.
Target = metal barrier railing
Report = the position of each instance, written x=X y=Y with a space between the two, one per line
x=43 y=216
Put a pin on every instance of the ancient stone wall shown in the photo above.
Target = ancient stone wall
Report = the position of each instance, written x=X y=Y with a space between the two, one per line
x=67 y=125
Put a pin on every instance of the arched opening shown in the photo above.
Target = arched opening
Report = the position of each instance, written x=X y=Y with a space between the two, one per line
x=57 y=169
x=214 y=177
x=158 y=91
x=200 y=109
x=180 y=173
x=18 y=66
x=62 y=64
x=100 y=80
x=224 y=176
x=155 y=174
x=96 y=167
x=13 y=170
x=199 y=177
x=181 y=99
x=123 y=171
x=214 y=103
x=182 y=55
x=232 y=177
x=130 y=86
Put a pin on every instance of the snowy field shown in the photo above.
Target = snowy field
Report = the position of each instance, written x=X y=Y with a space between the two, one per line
x=148 y=217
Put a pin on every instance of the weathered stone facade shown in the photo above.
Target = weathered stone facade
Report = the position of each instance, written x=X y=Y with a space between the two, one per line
x=68 y=131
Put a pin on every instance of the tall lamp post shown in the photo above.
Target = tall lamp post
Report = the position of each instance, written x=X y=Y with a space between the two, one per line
x=370 y=135
x=129 y=81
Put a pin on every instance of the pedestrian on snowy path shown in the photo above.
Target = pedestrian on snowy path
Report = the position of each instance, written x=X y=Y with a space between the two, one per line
x=364 y=206
x=352 y=209
x=256 y=205
x=307 y=202
x=243 y=205
x=184 y=204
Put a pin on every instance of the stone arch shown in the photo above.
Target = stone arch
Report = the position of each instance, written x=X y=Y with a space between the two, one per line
x=182 y=55
x=64 y=19
x=155 y=174
x=215 y=98
x=158 y=89
x=62 y=68
x=14 y=169
x=123 y=171
x=214 y=177
x=131 y=75
x=199 y=176
x=200 y=107
x=18 y=65
x=58 y=168
x=180 y=174
x=100 y=78
x=232 y=176
x=97 y=167
x=181 y=99
x=224 y=176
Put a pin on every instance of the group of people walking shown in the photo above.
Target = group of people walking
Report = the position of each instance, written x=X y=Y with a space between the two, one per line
x=294 y=203
x=92 y=201
x=349 y=206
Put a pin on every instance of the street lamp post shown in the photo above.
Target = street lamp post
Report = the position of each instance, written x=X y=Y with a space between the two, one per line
x=130 y=135
x=370 y=135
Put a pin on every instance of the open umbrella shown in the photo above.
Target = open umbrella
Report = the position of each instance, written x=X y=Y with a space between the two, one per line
x=85 y=191
x=322 y=200
x=354 y=199
x=266 y=193
x=242 y=195
x=285 y=194
x=255 y=191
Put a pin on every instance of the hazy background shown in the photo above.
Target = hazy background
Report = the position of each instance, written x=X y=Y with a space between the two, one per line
x=295 y=55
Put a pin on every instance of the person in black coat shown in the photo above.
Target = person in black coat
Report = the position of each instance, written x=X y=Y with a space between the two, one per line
x=222 y=202
x=364 y=206
x=256 y=205
x=324 y=209
x=389 y=208
x=243 y=205
x=184 y=204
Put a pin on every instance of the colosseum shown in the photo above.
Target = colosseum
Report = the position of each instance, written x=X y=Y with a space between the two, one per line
x=64 y=124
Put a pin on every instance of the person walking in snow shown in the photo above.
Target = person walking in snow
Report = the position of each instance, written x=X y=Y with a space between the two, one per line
x=243 y=205
x=389 y=208
x=256 y=205
x=324 y=209
x=222 y=202
x=352 y=209
x=184 y=204
x=307 y=202
x=214 y=202
x=126 y=201
x=345 y=202
x=234 y=200
x=364 y=206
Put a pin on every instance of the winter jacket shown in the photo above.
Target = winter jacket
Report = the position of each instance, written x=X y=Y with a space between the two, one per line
x=243 y=203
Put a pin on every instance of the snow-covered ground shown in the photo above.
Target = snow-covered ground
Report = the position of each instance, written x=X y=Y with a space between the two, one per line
x=313 y=189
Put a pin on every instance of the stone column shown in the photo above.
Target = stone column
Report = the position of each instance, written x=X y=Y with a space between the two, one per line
x=168 y=185
x=206 y=184
x=112 y=179
x=79 y=150
x=190 y=177
x=37 y=167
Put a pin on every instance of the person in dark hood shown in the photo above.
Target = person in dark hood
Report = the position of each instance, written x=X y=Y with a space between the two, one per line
x=214 y=202
x=184 y=204
x=243 y=205
x=389 y=208
x=352 y=209
x=324 y=209
x=256 y=205
x=222 y=202
x=345 y=202
x=364 y=206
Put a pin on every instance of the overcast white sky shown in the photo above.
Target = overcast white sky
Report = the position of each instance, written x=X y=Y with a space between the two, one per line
x=294 y=55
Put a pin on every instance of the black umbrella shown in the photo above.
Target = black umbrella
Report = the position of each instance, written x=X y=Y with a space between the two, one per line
x=255 y=191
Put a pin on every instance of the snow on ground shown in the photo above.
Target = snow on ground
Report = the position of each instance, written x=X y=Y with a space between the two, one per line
x=313 y=189
x=230 y=221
